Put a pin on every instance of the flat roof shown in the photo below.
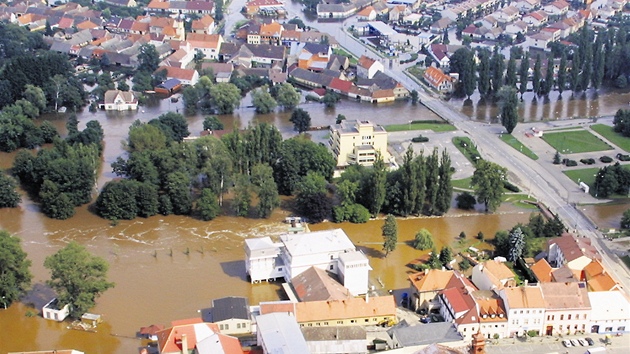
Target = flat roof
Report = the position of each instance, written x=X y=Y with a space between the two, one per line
x=281 y=333
x=317 y=242
x=382 y=28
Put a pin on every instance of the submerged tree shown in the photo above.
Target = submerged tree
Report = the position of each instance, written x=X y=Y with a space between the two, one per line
x=390 y=233
x=15 y=276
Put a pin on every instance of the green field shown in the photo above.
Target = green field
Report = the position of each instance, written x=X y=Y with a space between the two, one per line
x=469 y=150
x=436 y=127
x=572 y=142
x=341 y=51
x=513 y=142
x=626 y=260
x=462 y=183
x=615 y=138
x=416 y=72
x=586 y=175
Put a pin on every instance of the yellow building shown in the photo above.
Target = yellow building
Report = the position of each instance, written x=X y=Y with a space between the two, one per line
x=357 y=142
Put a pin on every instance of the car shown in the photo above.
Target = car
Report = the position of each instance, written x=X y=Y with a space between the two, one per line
x=567 y=343
x=589 y=341
x=583 y=342
x=575 y=342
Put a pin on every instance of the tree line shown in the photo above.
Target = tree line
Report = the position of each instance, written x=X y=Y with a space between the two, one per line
x=77 y=277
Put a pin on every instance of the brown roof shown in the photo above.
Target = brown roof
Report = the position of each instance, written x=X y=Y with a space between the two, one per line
x=573 y=247
x=350 y=308
x=524 y=297
x=562 y=296
x=491 y=307
x=542 y=270
x=316 y=284
x=366 y=62
x=431 y=280
x=597 y=278
x=151 y=330
x=169 y=340
x=498 y=273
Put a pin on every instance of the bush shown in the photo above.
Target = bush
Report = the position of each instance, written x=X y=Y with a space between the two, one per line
x=587 y=161
x=466 y=201
x=570 y=163
x=509 y=186
x=420 y=139
x=606 y=159
x=623 y=157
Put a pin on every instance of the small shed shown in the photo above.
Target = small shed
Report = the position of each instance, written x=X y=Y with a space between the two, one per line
x=150 y=332
x=91 y=319
x=169 y=87
x=53 y=311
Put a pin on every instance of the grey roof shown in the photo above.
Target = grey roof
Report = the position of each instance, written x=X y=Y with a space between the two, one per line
x=316 y=48
x=228 y=308
x=280 y=334
x=62 y=47
x=335 y=7
x=425 y=334
x=312 y=334
x=309 y=76
x=266 y=51
x=317 y=242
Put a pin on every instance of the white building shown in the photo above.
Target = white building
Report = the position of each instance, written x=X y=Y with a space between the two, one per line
x=358 y=142
x=568 y=308
x=574 y=252
x=280 y=333
x=492 y=275
x=330 y=250
x=525 y=309
x=51 y=311
x=610 y=312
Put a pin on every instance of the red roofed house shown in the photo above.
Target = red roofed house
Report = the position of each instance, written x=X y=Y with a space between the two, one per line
x=367 y=14
x=340 y=86
x=425 y=287
x=208 y=44
x=368 y=67
x=438 y=80
x=576 y=253
x=542 y=270
x=186 y=76
x=536 y=18
x=597 y=278
x=203 y=25
x=458 y=305
x=184 y=335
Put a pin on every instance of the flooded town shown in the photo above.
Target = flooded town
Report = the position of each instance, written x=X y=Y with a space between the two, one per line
x=273 y=176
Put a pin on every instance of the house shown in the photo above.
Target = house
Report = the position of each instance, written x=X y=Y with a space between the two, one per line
x=222 y=71
x=567 y=307
x=525 y=308
x=316 y=284
x=507 y=14
x=231 y=314
x=127 y=3
x=204 y=25
x=517 y=27
x=150 y=332
x=568 y=249
x=489 y=22
x=185 y=76
x=218 y=343
x=52 y=311
x=183 y=335
x=556 y=8
x=438 y=80
x=208 y=44
x=280 y=333
x=610 y=312
x=542 y=271
x=597 y=278
x=368 y=67
x=526 y=5
x=260 y=55
x=310 y=56
x=536 y=18
x=439 y=52
x=116 y=100
x=539 y=40
x=440 y=25
x=168 y=87
x=367 y=14
x=397 y=12
x=165 y=7
x=180 y=58
x=457 y=305
x=263 y=261
x=271 y=33
x=335 y=11
x=492 y=274
x=491 y=312
x=348 y=149
x=267 y=6
x=416 y=336
x=425 y=286
x=351 y=339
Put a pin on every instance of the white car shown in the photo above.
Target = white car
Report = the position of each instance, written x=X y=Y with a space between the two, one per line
x=583 y=342
x=567 y=343
x=575 y=342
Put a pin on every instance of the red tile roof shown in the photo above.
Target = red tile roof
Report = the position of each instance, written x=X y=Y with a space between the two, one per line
x=170 y=339
x=341 y=85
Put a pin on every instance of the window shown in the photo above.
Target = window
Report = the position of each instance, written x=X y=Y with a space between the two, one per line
x=367 y=320
x=608 y=329
x=238 y=325
x=227 y=326
x=310 y=325
x=280 y=269
x=568 y=317
x=325 y=323
x=620 y=329
x=353 y=321
x=221 y=327
x=339 y=322
x=332 y=267
x=561 y=317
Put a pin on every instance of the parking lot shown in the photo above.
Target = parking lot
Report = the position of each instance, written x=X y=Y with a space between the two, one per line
x=554 y=345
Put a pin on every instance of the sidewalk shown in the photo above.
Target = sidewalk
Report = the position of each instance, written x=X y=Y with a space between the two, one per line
x=554 y=344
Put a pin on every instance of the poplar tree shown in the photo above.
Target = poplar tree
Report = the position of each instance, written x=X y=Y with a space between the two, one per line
x=537 y=76
x=378 y=184
x=510 y=75
x=445 y=188
x=548 y=83
x=421 y=175
x=432 y=181
x=562 y=73
x=498 y=68
x=409 y=174
x=390 y=233
x=575 y=74
x=523 y=74
x=483 y=70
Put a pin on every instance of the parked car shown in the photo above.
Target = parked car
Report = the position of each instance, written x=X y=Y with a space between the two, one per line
x=567 y=343
x=575 y=342
x=583 y=342
x=589 y=341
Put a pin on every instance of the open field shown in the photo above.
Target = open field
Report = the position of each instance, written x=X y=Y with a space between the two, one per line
x=466 y=147
x=572 y=142
x=615 y=138
x=462 y=183
x=513 y=142
x=586 y=175
x=418 y=125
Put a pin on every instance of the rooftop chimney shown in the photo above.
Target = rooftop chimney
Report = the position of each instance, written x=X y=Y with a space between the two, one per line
x=184 y=344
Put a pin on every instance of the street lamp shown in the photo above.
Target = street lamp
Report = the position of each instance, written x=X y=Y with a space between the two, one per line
x=409 y=126
x=4 y=302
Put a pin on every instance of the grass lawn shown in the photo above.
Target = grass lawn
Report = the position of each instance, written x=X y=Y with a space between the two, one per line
x=626 y=260
x=436 y=127
x=575 y=141
x=615 y=138
x=513 y=142
x=466 y=147
x=519 y=200
x=416 y=72
x=462 y=183
x=587 y=175
x=341 y=51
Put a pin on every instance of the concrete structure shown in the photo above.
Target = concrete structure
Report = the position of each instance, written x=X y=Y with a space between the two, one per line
x=116 y=100
x=491 y=275
x=231 y=314
x=51 y=311
x=263 y=261
x=568 y=308
x=280 y=333
x=610 y=312
x=525 y=309
x=357 y=142
x=438 y=80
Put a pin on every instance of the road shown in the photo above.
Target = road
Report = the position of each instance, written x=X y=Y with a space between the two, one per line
x=549 y=187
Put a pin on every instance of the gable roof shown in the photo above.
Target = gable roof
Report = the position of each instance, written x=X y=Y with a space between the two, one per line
x=498 y=273
x=431 y=280
x=169 y=340
x=231 y=307
x=218 y=343
x=366 y=62
x=177 y=73
x=524 y=297
x=573 y=247
x=430 y=333
x=111 y=95
x=281 y=334
x=435 y=76
x=316 y=284
x=561 y=296
x=542 y=270
x=597 y=278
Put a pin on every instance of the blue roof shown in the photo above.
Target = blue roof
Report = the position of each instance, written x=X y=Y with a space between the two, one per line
x=170 y=84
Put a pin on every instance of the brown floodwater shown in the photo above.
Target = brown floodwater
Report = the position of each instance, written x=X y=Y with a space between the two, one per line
x=168 y=268
x=533 y=108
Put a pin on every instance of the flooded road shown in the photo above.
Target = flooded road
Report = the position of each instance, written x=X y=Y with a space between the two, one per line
x=168 y=268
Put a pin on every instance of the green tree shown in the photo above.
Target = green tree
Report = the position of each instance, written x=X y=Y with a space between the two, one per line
x=301 y=120
x=242 y=196
x=463 y=62
x=378 y=185
x=408 y=184
x=446 y=255
x=390 y=233
x=287 y=96
x=191 y=98
x=123 y=86
x=267 y=190
x=207 y=206
x=212 y=123
x=466 y=201
x=262 y=101
x=224 y=97
x=484 y=70
x=9 y=197
x=464 y=265
x=445 y=187
x=414 y=97
x=508 y=102
x=487 y=182
x=523 y=74
x=147 y=199
x=537 y=75
x=547 y=85
x=54 y=204
x=148 y=58
x=145 y=137
x=517 y=244
x=15 y=276
x=434 y=260
x=77 y=277
x=117 y=200
x=423 y=240
x=311 y=199
x=575 y=74
x=510 y=75
x=561 y=80
x=35 y=95
x=599 y=61
x=177 y=187
x=330 y=99
x=173 y=125
x=625 y=220
x=298 y=156
x=340 y=118
x=498 y=68
x=432 y=181
x=480 y=236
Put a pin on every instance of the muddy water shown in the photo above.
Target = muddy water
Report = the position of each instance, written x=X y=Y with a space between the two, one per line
x=607 y=216
x=587 y=104
x=168 y=268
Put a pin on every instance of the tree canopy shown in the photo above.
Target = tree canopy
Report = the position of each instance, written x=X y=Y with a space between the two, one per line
x=487 y=182
x=9 y=197
x=15 y=276
x=390 y=234
x=301 y=120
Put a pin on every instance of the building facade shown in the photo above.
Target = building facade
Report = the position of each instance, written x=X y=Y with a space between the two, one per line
x=357 y=142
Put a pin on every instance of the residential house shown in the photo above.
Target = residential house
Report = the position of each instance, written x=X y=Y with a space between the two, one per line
x=357 y=142
x=397 y=13
x=288 y=38
x=116 y=100
x=180 y=58
x=53 y=311
x=351 y=339
x=438 y=80
x=536 y=18
x=165 y=7
x=183 y=335
x=279 y=333
x=421 y=335
x=525 y=6
x=539 y=40
x=256 y=6
x=208 y=44
x=185 y=76
x=352 y=311
x=507 y=14
x=367 y=14
x=222 y=71
x=556 y=8
x=475 y=32
x=368 y=67
x=610 y=312
x=575 y=252
x=263 y=261
x=458 y=305
x=597 y=278
x=525 y=308
x=335 y=11
x=311 y=79
x=492 y=275
x=542 y=271
x=261 y=55
x=567 y=307
x=439 y=52
x=316 y=284
x=440 y=25
x=56 y=351
x=310 y=56
x=517 y=27
x=218 y=343
x=492 y=314
x=489 y=22
x=150 y=332
x=271 y=33
x=231 y=314
x=127 y=3
x=425 y=287
x=204 y=25
x=253 y=33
